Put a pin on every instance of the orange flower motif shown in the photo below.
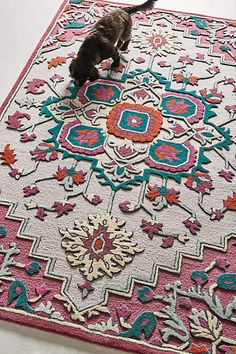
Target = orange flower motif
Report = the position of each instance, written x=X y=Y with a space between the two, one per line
x=177 y=107
x=87 y=136
x=230 y=203
x=70 y=176
x=192 y=80
x=198 y=350
x=7 y=155
x=164 y=152
x=103 y=93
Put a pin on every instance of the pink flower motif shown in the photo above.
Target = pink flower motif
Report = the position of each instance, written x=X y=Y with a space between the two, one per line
x=95 y=199
x=134 y=121
x=123 y=311
x=214 y=70
x=14 y=120
x=41 y=214
x=185 y=302
x=33 y=86
x=90 y=113
x=44 y=152
x=186 y=60
x=151 y=227
x=167 y=152
x=90 y=137
x=72 y=55
x=139 y=60
x=177 y=106
x=200 y=182
x=141 y=93
x=30 y=190
x=42 y=290
x=227 y=175
x=15 y=173
x=163 y=63
x=126 y=206
x=57 y=78
x=231 y=109
x=200 y=56
x=226 y=349
x=193 y=225
x=125 y=151
x=167 y=242
x=103 y=93
x=63 y=208
x=216 y=214
x=230 y=81
x=25 y=138
x=222 y=263
x=177 y=129
x=212 y=95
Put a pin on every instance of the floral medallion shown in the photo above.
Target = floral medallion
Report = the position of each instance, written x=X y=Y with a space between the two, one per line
x=158 y=42
x=99 y=246
x=82 y=139
x=135 y=122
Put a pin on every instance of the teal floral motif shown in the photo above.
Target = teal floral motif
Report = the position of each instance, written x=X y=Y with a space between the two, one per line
x=144 y=323
x=183 y=106
x=171 y=156
x=33 y=268
x=225 y=48
x=145 y=294
x=200 y=276
x=227 y=281
x=17 y=291
x=3 y=231
x=82 y=139
x=200 y=23
x=100 y=92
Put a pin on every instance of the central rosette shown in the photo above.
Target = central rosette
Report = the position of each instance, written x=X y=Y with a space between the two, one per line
x=134 y=121
x=100 y=246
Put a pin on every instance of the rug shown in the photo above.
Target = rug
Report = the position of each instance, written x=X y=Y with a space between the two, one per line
x=117 y=203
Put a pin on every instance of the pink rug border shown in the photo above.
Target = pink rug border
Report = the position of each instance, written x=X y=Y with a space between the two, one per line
x=116 y=343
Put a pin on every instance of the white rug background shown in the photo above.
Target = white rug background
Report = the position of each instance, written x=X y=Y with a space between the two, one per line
x=22 y=24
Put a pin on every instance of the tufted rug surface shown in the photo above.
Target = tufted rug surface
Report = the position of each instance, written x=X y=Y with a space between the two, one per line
x=117 y=201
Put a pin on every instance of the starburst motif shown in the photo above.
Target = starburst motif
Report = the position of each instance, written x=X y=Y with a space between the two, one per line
x=100 y=246
x=158 y=43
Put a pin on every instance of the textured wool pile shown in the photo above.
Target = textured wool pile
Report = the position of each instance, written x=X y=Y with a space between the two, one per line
x=117 y=200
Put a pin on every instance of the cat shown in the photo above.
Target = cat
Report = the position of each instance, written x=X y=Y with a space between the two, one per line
x=110 y=33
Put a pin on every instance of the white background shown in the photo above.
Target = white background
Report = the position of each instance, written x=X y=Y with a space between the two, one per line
x=22 y=24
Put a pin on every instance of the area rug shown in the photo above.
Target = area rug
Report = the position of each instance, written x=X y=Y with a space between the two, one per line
x=117 y=202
